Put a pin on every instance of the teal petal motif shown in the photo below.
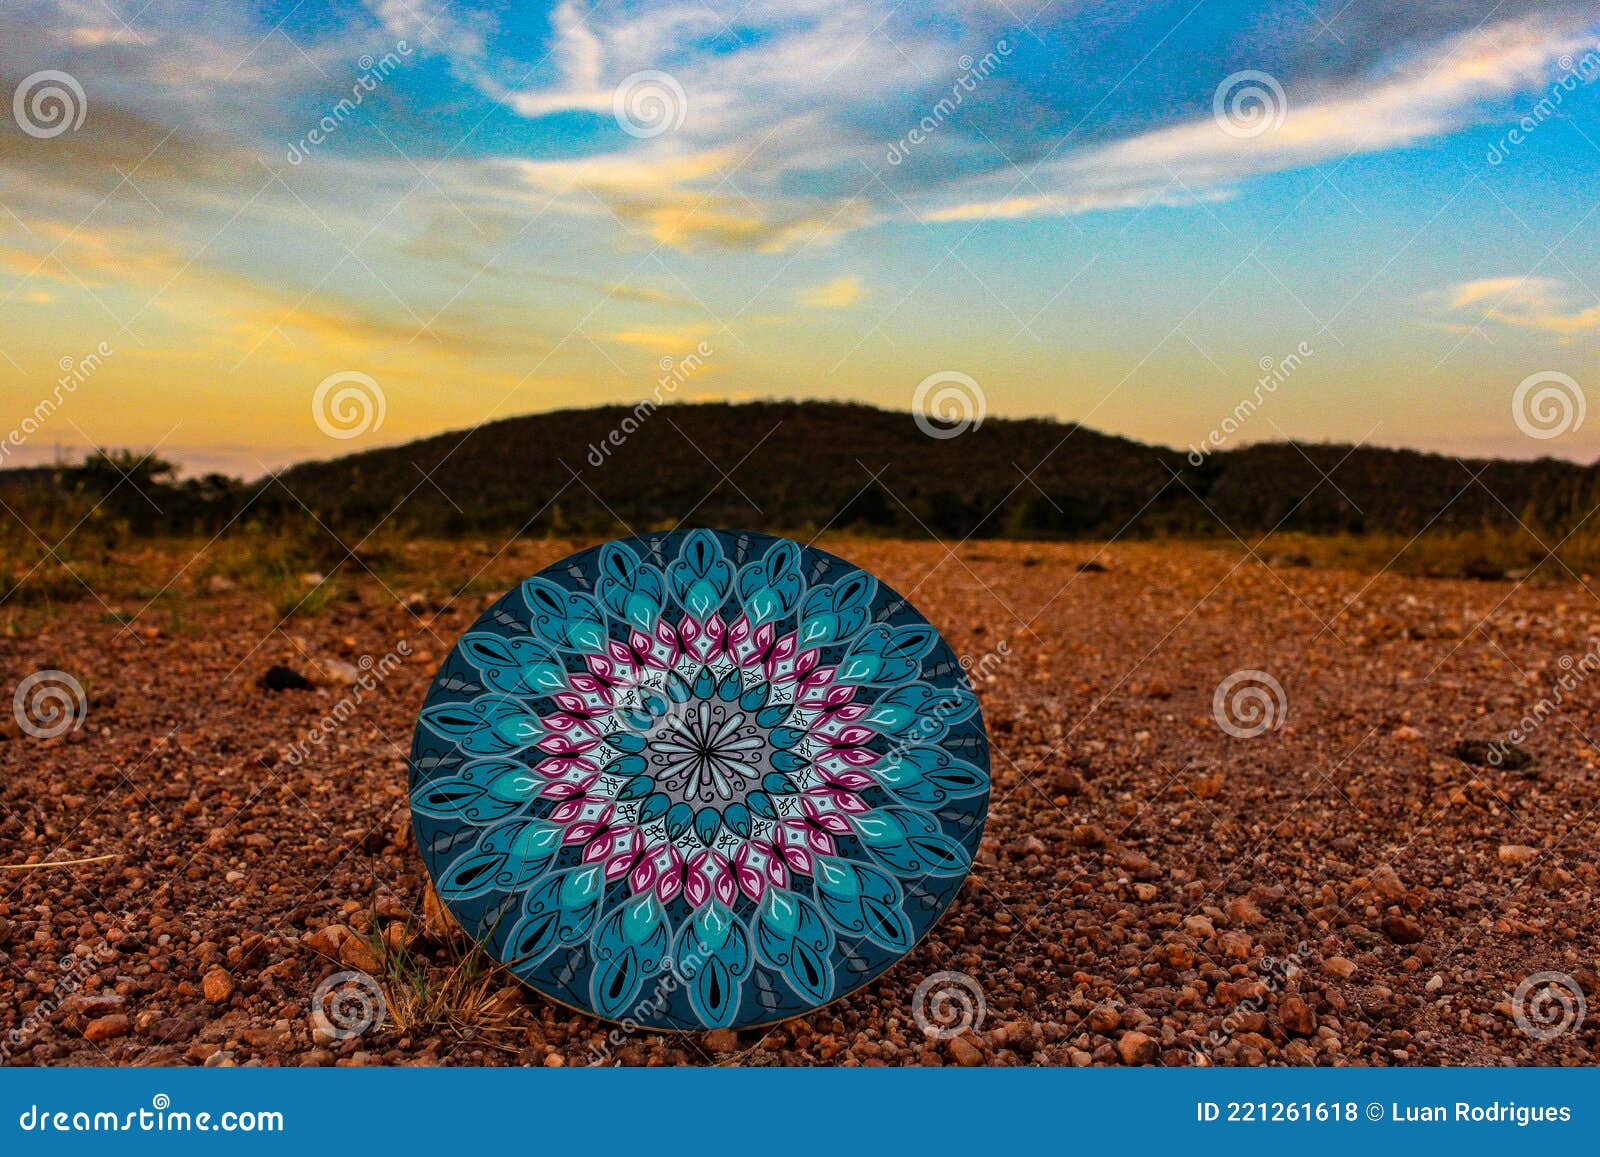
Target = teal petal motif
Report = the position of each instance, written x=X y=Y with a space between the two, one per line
x=712 y=957
x=488 y=726
x=515 y=666
x=919 y=711
x=910 y=843
x=629 y=947
x=569 y=620
x=481 y=792
x=559 y=909
x=885 y=656
x=837 y=613
x=794 y=939
x=861 y=900
x=631 y=592
x=770 y=588
x=506 y=858
x=700 y=577
x=929 y=776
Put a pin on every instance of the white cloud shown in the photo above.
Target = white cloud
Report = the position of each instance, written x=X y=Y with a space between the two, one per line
x=1541 y=303
x=1425 y=98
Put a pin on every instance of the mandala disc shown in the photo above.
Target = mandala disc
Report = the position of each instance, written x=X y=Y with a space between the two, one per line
x=699 y=779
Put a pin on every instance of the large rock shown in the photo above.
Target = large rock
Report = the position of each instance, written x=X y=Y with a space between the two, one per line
x=217 y=987
x=104 y=1028
x=1135 y=1048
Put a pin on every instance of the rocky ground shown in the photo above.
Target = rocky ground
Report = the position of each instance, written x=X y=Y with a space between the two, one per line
x=1357 y=884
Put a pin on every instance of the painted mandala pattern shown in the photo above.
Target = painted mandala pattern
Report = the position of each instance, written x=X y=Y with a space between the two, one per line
x=699 y=779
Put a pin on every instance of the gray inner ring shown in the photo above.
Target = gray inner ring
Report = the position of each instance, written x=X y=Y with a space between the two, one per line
x=707 y=752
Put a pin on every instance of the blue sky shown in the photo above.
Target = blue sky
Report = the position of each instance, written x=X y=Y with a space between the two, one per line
x=1115 y=213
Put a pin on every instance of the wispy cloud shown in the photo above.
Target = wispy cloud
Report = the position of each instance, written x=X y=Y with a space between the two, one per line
x=1425 y=97
x=1541 y=303
x=840 y=293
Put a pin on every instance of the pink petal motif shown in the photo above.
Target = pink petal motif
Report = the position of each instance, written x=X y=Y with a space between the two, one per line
x=707 y=874
x=786 y=663
x=580 y=705
x=580 y=832
x=824 y=809
x=825 y=694
x=834 y=724
x=620 y=655
x=671 y=875
x=618 y=846
x=799 y=859
x=758 y=864
x=586 y=817
x=840 y=758
x=762 y=640
x=751 y=882
x=695 y=885
x=659 y=651
x=562 y=766
x=847 y=779
x=667 y=645
x=703 y=641
x=643 y=876
x=561 y=745
x=588 y=697
x=782 y=649
x=850 y=802
x=606 y=843
x=799 y=833
x=568 y=811
x=749 y=647
x=689 y=634
x=605 y=670
x=796 y=855
x=569 y=734
x=567 y=776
